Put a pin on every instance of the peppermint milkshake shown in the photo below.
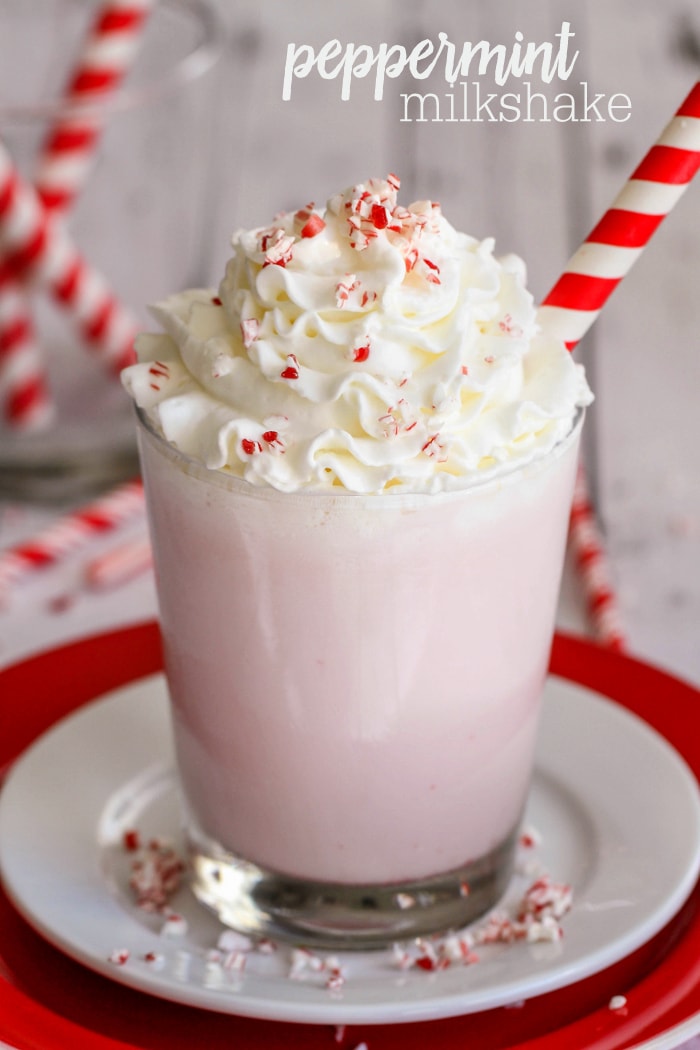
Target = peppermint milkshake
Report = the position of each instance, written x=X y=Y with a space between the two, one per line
x=359 y=456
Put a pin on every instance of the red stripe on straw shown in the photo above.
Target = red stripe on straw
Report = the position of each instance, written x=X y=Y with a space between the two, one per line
x=25 y=398
x=93 y=80
x=55 y=200
x=42 y=248
x=8 y=192
x=13 y=334
x=25 y=256
x=70 y=533
x=578 y=291
x=116 y=21
x=625 y=229
x=691 y=106
x=669 y=165
x=68 y=138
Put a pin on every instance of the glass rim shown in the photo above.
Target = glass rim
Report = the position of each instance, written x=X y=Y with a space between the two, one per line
x=391 y=497
x=200 y=58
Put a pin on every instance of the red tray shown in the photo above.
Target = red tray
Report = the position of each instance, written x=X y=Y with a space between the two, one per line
x=48 y=1002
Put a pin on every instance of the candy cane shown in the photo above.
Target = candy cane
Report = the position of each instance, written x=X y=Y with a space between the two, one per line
x=38 y=247
x=590 y=277
x=108 y=52
x=70 y=533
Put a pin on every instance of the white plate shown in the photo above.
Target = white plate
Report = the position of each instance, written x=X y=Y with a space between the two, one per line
x=618 y=809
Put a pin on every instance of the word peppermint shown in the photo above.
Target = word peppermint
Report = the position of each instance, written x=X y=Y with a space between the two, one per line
x=357 y=61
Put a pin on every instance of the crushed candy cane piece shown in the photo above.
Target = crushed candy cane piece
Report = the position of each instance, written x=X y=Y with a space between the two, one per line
x=335 y=979
x=119 y=956
x=545 y=897
x=529 y=837
x=131 y=840
x=292 y=369
x=155 y=875
x=155 y=960
x=174 y=926
x=233 y=941
x=250 y=331
x=303 y=960
x=618 y=1002
x=235 y=961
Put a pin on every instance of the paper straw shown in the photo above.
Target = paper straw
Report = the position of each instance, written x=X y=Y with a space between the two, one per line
x=24 y=394
x=107 y=54
x=615 y=244
x=575 y=301
x=119 y=565
x=70 y=533
x=38 y=247
x=591 y=562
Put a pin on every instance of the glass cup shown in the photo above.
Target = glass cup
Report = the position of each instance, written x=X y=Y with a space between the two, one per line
x=140 y=218
x=355 y=685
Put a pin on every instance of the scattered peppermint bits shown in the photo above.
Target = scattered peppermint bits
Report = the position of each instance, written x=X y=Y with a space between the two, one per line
x=335 y=975
x=618 y=1003
x=292 y=369
x=345 y=288
x=546 y=898
x=251 y=447
x=508 y=327
x=534 y=917
x=235 y=961
x=277 y=247
x=159 y=371
x=530 y=837
x=155 y=873
x=313 y=225
x=435 y=447
x=174 y=926
x=250 y=331
x=232 y=941
x=432 y=271
x=361 y=353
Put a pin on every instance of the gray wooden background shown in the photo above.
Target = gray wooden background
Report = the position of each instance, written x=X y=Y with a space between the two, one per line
x=538 y=188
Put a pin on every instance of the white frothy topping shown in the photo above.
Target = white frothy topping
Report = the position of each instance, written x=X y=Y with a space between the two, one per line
x=367 y=346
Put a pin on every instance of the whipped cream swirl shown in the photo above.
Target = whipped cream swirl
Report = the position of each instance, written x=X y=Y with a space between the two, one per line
x=366 y=346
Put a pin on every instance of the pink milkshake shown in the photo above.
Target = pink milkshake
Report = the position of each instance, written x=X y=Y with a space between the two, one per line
x=359 y=457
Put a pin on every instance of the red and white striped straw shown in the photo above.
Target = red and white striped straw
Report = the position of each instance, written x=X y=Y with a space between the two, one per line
x=119 y=565
x=615 y=244
x=108 y=52
x=590 y=277
x=25 y=399
x=70 y=533
x=38 y=248
x=591 y=561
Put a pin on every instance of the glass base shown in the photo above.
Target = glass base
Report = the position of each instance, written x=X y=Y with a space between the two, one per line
x=340 y=916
